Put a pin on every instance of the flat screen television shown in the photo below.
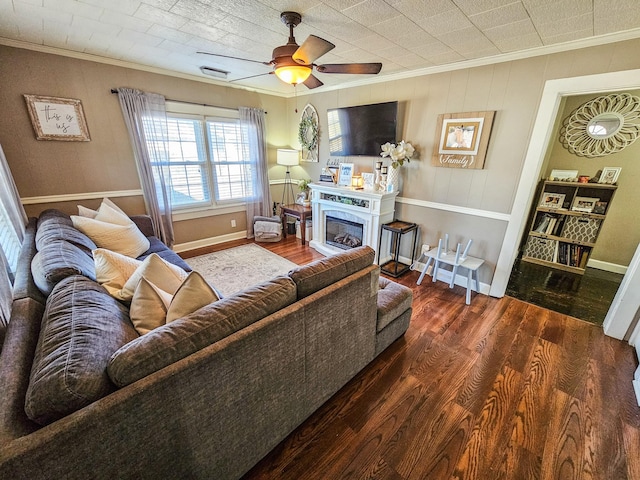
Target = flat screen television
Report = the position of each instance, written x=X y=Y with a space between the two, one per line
x=360 y=130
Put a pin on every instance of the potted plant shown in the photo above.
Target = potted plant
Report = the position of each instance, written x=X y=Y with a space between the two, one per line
x=400 y=153
x=303 y=197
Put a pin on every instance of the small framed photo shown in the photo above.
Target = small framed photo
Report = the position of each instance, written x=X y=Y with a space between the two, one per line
x=552 y=200
x=56 y=118
x=600 y=208
x=368 y=181
x=345 y=174
x=564 y=176
x=584 y=204
x=610 y=175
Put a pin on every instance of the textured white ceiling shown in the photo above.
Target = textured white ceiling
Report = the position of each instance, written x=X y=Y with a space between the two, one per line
x=405 y=35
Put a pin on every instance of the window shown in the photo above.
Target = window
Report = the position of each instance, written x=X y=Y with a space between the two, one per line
x=209 y=161
x=9 y=242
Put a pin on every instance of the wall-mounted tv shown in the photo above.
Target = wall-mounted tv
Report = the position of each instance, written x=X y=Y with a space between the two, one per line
x=360 y=130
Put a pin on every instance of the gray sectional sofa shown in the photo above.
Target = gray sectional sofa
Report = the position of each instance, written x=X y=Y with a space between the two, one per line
x=206 y=396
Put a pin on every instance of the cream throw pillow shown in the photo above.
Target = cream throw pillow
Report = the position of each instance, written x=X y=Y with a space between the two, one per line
x=164 y=275
x=152 y=307
x=88 y=212
x=113 y=230
x=114 y=271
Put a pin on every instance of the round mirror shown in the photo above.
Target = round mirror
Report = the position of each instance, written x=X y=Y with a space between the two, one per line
x=604 y=125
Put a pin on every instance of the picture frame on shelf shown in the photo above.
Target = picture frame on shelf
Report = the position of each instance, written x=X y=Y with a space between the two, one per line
x=563 y=175
x=610 y=175
x=600 y=208
x=345 y=174
x=55 y=118
x=584 y=204
x=552 y=200
x=368 y=180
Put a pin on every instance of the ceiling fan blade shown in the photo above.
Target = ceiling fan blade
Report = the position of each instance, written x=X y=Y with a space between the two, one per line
x=252 y=76
x=312 y=48
x=235 y=58
x=357 y=68
x=312 y=82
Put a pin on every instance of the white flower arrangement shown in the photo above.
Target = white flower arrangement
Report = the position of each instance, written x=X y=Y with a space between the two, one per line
x=398 y=153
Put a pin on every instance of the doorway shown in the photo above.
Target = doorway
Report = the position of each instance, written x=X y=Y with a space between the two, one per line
x=552 y=96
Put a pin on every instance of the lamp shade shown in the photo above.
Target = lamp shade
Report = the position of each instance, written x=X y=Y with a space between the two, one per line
x=293 y=74
x=288 y=157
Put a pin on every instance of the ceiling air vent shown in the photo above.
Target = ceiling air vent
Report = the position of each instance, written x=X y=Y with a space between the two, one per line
x=214 y=72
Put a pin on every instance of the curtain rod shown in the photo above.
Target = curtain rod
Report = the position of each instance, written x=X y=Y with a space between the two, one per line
x=115 y=90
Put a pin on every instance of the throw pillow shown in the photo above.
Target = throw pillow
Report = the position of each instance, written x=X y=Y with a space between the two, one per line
x=193 y=294
x=82 y=327
x=149 y=307
x=162 y=274
x=125 y=239
x=113 y=269
x=87 y=212
x=152 y=307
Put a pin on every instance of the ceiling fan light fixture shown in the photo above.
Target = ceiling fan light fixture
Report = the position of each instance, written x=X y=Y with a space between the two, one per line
x=293 y=74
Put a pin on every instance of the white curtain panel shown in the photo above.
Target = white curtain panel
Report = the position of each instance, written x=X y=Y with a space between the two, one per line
x=145 y=116
x=260 y=203
x=12 y=226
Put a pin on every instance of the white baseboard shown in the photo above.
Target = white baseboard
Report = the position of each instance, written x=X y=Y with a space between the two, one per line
x=607 y=267
x=207 y=242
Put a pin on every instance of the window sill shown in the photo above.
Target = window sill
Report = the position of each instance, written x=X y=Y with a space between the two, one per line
x=208 y=211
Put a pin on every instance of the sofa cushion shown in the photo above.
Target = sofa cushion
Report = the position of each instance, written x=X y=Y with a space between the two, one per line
x=176 y=340
x=323 y=272
x=58 y=260
x=393 y=300
x=51 y=214
x=156 y=246
x=81 y=328
x=53 y=230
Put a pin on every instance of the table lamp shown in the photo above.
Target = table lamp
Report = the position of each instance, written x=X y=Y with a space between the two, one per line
x=288 y=158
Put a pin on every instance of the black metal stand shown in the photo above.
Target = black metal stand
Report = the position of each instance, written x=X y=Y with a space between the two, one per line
x=398 y=228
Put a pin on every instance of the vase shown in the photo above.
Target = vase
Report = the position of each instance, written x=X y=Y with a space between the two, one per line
x=393 y=179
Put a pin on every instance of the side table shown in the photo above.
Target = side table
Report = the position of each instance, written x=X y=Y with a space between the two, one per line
x=298 y=211
x=398 y=228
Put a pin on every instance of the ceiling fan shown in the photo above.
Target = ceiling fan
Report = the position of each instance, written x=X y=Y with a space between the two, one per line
x=293 y=63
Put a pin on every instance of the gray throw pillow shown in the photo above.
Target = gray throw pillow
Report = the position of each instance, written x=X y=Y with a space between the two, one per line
x=51 y=231
x=81 y=328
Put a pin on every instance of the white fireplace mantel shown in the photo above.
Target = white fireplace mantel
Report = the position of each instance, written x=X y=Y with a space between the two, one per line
x=370 y=208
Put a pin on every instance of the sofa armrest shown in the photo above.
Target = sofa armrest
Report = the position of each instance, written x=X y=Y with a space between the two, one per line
x=144 y=223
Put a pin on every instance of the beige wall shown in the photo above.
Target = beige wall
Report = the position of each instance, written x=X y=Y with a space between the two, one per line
x=620 y=232
x=49 y=168
x=513 y=90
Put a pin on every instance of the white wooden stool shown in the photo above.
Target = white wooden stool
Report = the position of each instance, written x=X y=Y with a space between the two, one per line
x=447 y=257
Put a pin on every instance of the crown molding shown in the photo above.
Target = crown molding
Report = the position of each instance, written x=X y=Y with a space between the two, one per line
x=478 y=62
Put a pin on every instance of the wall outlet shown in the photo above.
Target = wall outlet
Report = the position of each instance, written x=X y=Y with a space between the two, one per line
x=233 y=223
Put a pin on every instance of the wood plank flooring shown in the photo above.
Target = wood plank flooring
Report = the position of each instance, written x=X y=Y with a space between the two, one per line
x=499 y=389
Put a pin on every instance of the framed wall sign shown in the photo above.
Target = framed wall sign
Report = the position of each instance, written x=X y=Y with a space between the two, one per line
x=56 y=118
x=462 y=139
x=346 y=172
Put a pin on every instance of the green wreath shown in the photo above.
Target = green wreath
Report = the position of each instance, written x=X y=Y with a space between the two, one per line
x=308 y=125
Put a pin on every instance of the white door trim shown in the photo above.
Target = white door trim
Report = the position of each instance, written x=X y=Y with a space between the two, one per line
x=552 y=95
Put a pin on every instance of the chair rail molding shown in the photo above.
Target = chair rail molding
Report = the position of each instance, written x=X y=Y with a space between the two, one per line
x=71 y=197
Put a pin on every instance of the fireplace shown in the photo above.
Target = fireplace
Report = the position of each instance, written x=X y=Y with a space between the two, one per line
x=353 y=216
x=343 y=234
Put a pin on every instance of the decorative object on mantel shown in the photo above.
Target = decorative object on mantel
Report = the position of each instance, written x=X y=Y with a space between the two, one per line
x=398 y=155
x=308 y=133
x=462 y=139
x=602 y=126
x=56 y=118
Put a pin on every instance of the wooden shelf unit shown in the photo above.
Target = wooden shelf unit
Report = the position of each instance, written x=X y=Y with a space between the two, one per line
x=561 y=237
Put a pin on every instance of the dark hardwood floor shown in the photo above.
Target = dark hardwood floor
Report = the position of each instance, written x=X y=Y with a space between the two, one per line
x=499 y=389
